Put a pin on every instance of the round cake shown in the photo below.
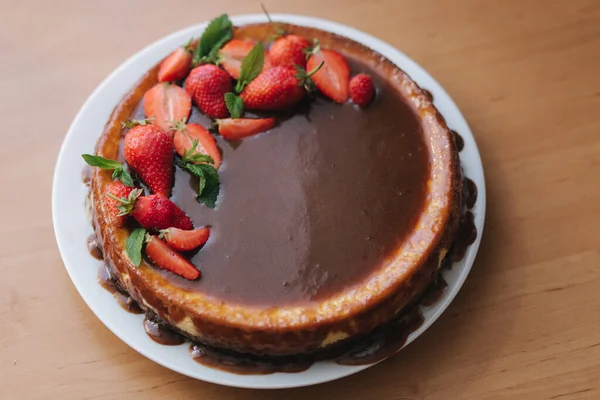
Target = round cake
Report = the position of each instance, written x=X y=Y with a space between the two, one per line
x=327 y=225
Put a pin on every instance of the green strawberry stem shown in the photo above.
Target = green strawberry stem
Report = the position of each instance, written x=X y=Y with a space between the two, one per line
x=279 y=31
x=127 y=203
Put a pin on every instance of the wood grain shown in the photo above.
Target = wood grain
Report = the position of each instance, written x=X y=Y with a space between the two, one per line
x=526 y=75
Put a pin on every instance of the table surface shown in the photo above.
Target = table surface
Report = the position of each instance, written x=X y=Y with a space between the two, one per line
x=526 y=75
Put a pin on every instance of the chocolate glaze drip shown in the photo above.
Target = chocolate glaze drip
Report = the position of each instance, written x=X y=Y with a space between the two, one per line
x=434 y=291
x=86 y=175
x=460 y=143
x=124 y=300
x=93 y=247
x=162 y=334
x=470 y=193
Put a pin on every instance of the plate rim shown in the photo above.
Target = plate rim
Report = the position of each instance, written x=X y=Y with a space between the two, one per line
x=155 y=51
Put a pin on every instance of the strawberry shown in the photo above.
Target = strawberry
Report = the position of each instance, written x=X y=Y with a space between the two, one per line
x=184 y=140
x=149 y=151
x=185 y=240
x=333 y=79
x=176 y=65
x=207 y=84
x=274 y=89
x=165 y=103
x=166 y=258
x=116 y=189
x=239 y=128
x=153 y=212
x=362 y=90
x=288 y=51
x=232 y=54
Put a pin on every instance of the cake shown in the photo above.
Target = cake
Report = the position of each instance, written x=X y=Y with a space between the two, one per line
x=327 y=225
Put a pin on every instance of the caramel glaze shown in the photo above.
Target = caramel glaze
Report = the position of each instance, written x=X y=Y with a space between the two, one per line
x=93 y=247
x=160 y=333
x=122 y=297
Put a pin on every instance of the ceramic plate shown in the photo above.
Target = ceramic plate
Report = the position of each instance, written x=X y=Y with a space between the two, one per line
x=72 y=226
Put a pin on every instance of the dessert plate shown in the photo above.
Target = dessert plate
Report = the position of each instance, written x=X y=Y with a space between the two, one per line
x=72 y=227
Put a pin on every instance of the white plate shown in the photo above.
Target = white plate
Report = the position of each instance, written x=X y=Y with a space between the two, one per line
x=72 y=227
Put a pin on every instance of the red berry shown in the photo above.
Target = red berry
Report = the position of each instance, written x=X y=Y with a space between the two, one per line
x=119 y=190
x=239 y=128
x=183 y=240
x=333 y=78
x=156 y=212
x=149 y=151
x=175 y=66
x=362 y=90
x=274 y=89
x=166 y=258
x=207 y=84
x=288 y=51
x=184 y=140
x=165 y=104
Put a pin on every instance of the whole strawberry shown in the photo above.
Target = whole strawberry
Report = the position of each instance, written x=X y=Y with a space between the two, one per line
x=154 y=212
x=149 y=151
x=274 y=89
x=117 y=190
x=207 y=84
x=362 y=90
x=288 y=51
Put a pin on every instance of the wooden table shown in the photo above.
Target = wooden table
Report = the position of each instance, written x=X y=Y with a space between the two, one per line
x=526 y=74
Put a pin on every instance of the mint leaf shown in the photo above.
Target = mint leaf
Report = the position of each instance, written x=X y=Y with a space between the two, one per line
x=252 y=66
x=199 y=172
x=209 y=195
x=191 y=156
x=104 y=163
x=234 y=104
x=133 y=246
x=218 y=31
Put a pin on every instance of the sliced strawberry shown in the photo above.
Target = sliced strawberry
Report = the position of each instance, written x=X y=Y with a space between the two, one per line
x=334 y=77
x=166 y=258
x=232 y=54
x=184 y=140
x=239 y=128
x=182 y=240
x=175 y=66
x=166 y=103
x=116 y=189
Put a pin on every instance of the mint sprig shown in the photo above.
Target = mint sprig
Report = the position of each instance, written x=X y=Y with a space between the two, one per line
x=252 y=66
x=119 y=170
x=133 y=246
x=198 y=164
x=218 y=32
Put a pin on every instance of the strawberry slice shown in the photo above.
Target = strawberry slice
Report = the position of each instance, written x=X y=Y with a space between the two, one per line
x=232 y=54
x=334 y=77
x=182 y=240
x=166 y=258
x=184 y=140
x=239 y=128
x=166 y=103
x=175 y=66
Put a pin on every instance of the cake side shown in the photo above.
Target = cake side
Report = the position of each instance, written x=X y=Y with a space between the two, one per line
x=293 y=330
